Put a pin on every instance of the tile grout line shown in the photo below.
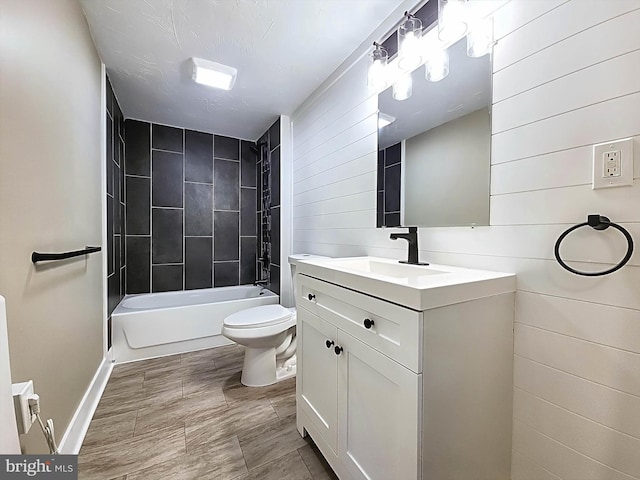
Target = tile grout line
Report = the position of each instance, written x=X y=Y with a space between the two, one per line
x=304 y=463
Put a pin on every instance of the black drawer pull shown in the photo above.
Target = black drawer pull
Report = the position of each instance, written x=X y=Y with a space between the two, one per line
x=368 y=323
x=338 y=349
x=329 y=343
x=311 y=296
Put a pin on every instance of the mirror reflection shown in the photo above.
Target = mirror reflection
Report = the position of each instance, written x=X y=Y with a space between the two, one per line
x=434 y=147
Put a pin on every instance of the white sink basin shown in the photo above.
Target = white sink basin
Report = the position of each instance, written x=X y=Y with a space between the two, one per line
x=415 y=286
x=376 y=266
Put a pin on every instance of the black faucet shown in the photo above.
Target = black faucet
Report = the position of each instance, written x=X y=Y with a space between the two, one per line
x=412 y=238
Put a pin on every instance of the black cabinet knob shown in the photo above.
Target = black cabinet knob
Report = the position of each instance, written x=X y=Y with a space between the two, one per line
x=329 y=343
x=368 y=323
x=338 y=349
x=311 y=296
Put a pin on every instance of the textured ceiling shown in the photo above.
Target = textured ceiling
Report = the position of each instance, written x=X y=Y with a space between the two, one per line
x=283 y=50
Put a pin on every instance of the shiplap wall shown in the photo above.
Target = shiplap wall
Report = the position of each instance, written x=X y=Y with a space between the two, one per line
x=566 y=76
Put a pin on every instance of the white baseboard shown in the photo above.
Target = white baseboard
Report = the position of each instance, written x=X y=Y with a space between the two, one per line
x=79 y=424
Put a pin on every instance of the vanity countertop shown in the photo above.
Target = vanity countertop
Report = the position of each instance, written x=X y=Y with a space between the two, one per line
x=417 y=287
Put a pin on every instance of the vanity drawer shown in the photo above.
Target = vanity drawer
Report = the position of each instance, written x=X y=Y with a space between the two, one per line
x=391 y=329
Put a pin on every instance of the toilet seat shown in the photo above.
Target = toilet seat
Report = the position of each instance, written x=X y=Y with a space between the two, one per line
x=257 y=317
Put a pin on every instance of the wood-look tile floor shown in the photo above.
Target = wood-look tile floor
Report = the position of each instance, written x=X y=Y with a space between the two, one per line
x=188 y=417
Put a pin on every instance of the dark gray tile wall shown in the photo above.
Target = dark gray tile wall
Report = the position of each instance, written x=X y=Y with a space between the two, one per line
x=190 y=216
x=116 y=206
x=268 y=206
x=389 y=180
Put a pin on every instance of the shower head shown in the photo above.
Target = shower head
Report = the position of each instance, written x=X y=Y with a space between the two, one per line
x=256 y=148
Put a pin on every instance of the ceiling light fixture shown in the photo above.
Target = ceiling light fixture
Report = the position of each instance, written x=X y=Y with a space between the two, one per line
x=409 y=52
x=377 y=69
x=213 y=74
x=385 y=119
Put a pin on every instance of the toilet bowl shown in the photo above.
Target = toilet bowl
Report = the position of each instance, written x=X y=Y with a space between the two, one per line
x=268 y=334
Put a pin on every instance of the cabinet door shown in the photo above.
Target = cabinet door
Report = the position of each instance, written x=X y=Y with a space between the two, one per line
x=378 y=413
x=318 y=374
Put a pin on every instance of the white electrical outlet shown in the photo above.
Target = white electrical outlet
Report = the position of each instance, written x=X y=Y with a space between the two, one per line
x=613 y=164
x=21 y=393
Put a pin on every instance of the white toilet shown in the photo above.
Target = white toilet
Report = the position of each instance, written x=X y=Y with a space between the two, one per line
x=268 y=334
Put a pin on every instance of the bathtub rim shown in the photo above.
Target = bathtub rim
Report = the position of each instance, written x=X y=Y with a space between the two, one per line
x=122 y=310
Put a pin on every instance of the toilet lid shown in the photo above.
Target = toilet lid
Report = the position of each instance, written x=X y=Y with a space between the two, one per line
x=262 y=316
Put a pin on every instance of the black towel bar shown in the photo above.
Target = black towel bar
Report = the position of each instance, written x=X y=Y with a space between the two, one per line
x=44 y=257
x=596 y=222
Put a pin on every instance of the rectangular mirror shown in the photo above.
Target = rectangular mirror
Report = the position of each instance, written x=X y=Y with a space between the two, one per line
x=434 y=156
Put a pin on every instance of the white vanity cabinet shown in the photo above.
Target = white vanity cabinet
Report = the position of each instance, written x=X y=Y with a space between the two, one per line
x=391 y=393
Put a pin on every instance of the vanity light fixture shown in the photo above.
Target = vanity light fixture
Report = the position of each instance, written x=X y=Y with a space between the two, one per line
x=480 y=38
x=213 y=74
x=452 y=19
x=437 y=65
x=456 y=18
x=403 y=88
x=377 y=68
x=409 y=51
x=385 y=119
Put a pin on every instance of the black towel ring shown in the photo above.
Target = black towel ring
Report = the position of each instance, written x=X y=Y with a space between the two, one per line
x=598 y=223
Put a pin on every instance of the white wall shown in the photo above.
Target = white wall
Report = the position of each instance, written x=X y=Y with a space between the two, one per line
x=51 y=140
x=566 y=76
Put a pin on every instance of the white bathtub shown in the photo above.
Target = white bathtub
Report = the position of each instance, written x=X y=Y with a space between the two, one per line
x=157 y=324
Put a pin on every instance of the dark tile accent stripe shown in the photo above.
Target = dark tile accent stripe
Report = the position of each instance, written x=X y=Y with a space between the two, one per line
x=275 y=177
